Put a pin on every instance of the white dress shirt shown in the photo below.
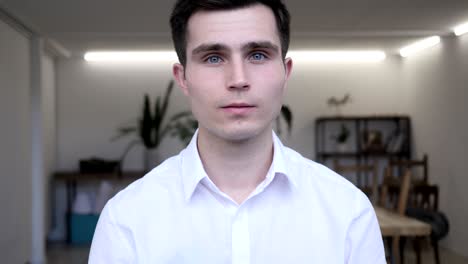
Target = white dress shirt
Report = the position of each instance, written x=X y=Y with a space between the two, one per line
x=301 y=213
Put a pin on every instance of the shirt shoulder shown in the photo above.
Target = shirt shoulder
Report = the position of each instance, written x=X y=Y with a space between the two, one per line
x=319 y=183
x=158 y=188
x=308 y=171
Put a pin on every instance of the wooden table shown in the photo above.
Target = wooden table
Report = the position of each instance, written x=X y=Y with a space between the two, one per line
x=395 y=225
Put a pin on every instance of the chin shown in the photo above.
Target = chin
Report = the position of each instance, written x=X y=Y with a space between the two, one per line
x=239 y=137
x=239 y=134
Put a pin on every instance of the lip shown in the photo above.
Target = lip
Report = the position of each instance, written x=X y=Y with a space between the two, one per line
x=238 y=108
x=238 y=105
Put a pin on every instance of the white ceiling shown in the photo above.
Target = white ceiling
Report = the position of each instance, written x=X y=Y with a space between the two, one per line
x=81 y=25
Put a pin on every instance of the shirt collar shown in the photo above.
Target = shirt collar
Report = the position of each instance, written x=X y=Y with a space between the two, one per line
x=192 y=167
x=280 y=163
x=193 y=171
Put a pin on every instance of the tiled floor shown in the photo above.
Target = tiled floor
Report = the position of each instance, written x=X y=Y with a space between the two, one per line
x=446 y=257
x=59 y=254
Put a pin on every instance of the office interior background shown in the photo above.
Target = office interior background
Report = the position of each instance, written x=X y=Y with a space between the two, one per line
x=57 y=108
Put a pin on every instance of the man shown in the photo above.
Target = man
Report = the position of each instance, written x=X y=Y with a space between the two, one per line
x=236 y=194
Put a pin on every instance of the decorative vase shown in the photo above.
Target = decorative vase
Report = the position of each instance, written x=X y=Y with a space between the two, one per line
x=152 y=158
x=342 y=147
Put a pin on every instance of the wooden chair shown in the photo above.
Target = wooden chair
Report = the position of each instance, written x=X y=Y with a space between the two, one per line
x=392 y=177
x=396 y=200
x=394 y=168
x=401 y=165
x=426 y=198
x=370 y=188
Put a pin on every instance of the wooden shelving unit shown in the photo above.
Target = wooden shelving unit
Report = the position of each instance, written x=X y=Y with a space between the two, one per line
x=394 y=131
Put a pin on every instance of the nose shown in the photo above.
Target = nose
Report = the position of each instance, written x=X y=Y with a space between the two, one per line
x=237 y=75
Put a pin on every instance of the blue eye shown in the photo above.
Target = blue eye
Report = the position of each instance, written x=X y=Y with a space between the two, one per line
x=258 y=56
x=213 y=59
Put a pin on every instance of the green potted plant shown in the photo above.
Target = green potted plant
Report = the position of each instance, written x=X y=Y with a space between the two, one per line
x=153 y=126
x=341 y=139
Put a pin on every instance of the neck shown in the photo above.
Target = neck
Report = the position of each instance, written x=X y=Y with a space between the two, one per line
x=236 y=167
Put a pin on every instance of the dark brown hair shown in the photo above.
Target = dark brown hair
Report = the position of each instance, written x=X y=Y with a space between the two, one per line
x=184 y=9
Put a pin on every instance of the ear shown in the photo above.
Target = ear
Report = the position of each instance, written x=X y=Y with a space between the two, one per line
x=178 y=71
x=288 y=65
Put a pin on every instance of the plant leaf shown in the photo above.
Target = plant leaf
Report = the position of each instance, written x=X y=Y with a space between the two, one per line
x=123 y=131
x=146 y=123
x=288 y=117
x=160 y=132
x=180 y=115
x=166 y=99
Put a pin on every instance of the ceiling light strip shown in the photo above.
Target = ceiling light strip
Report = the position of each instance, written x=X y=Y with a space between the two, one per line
x=338 y=56
x=131 y=56
x=420 y=45
x=461 y=29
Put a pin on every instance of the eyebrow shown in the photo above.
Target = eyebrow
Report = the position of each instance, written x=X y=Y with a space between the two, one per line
x=209 y=47
x=248 y=46
x=261 y=45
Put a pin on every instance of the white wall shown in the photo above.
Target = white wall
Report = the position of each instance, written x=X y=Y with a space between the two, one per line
x=15 y=150
x=27 y=155
x=48 y=111
x=437 y=83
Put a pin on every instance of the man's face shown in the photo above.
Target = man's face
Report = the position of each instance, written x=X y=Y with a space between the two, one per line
x=234 y=76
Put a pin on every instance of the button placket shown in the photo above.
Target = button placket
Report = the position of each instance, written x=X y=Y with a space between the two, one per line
x=240 y=237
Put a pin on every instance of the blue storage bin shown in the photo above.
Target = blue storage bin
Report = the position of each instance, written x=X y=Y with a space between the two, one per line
x=82 y=228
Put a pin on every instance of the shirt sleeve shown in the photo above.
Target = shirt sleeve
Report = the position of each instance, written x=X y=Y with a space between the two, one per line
x=112 y=242
x=364 y=242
